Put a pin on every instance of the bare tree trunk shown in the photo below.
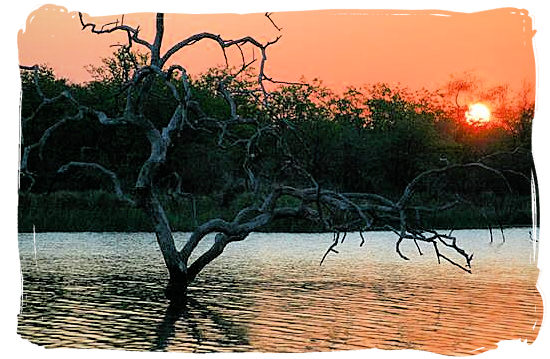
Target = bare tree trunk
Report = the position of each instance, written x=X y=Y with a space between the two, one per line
x=177 y=269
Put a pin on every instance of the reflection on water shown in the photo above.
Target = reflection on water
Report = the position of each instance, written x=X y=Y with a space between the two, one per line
x=268 y=293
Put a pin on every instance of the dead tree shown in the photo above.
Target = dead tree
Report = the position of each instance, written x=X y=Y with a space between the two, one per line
x=334 y=211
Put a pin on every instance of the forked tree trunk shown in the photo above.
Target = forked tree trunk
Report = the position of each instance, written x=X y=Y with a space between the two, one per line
x=177 y=268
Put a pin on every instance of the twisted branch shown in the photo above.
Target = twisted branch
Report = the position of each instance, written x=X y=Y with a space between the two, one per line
x=97 y=167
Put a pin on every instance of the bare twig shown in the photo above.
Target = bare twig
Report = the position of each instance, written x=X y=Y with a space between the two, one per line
x=268 y=15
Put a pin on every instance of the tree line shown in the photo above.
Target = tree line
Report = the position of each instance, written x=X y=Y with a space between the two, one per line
x=374 y=139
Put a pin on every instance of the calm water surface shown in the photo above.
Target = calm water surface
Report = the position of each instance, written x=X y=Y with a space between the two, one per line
x=268 y=293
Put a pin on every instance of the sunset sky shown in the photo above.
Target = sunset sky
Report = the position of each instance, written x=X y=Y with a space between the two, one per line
x=341 y=47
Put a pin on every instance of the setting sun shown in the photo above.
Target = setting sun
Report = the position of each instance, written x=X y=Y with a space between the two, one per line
x=478 y=114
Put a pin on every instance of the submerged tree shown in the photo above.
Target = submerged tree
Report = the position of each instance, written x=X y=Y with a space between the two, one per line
x=250 y=124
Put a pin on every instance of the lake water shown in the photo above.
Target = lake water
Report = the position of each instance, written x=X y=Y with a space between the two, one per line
x=269 y=294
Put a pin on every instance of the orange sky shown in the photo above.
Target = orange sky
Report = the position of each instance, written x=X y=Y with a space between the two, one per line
x=341 y=47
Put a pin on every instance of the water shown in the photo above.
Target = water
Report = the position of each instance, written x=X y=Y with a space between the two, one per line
x=268 y=293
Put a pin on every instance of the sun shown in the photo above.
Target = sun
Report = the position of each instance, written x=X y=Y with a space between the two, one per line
x=478 y=114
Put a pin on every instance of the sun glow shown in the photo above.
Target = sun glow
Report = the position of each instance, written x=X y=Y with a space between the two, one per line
x=478 y=114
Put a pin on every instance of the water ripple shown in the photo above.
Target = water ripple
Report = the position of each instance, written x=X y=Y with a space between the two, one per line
x=269 y=294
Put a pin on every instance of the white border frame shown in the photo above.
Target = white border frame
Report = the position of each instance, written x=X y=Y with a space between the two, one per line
x=15 y=16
